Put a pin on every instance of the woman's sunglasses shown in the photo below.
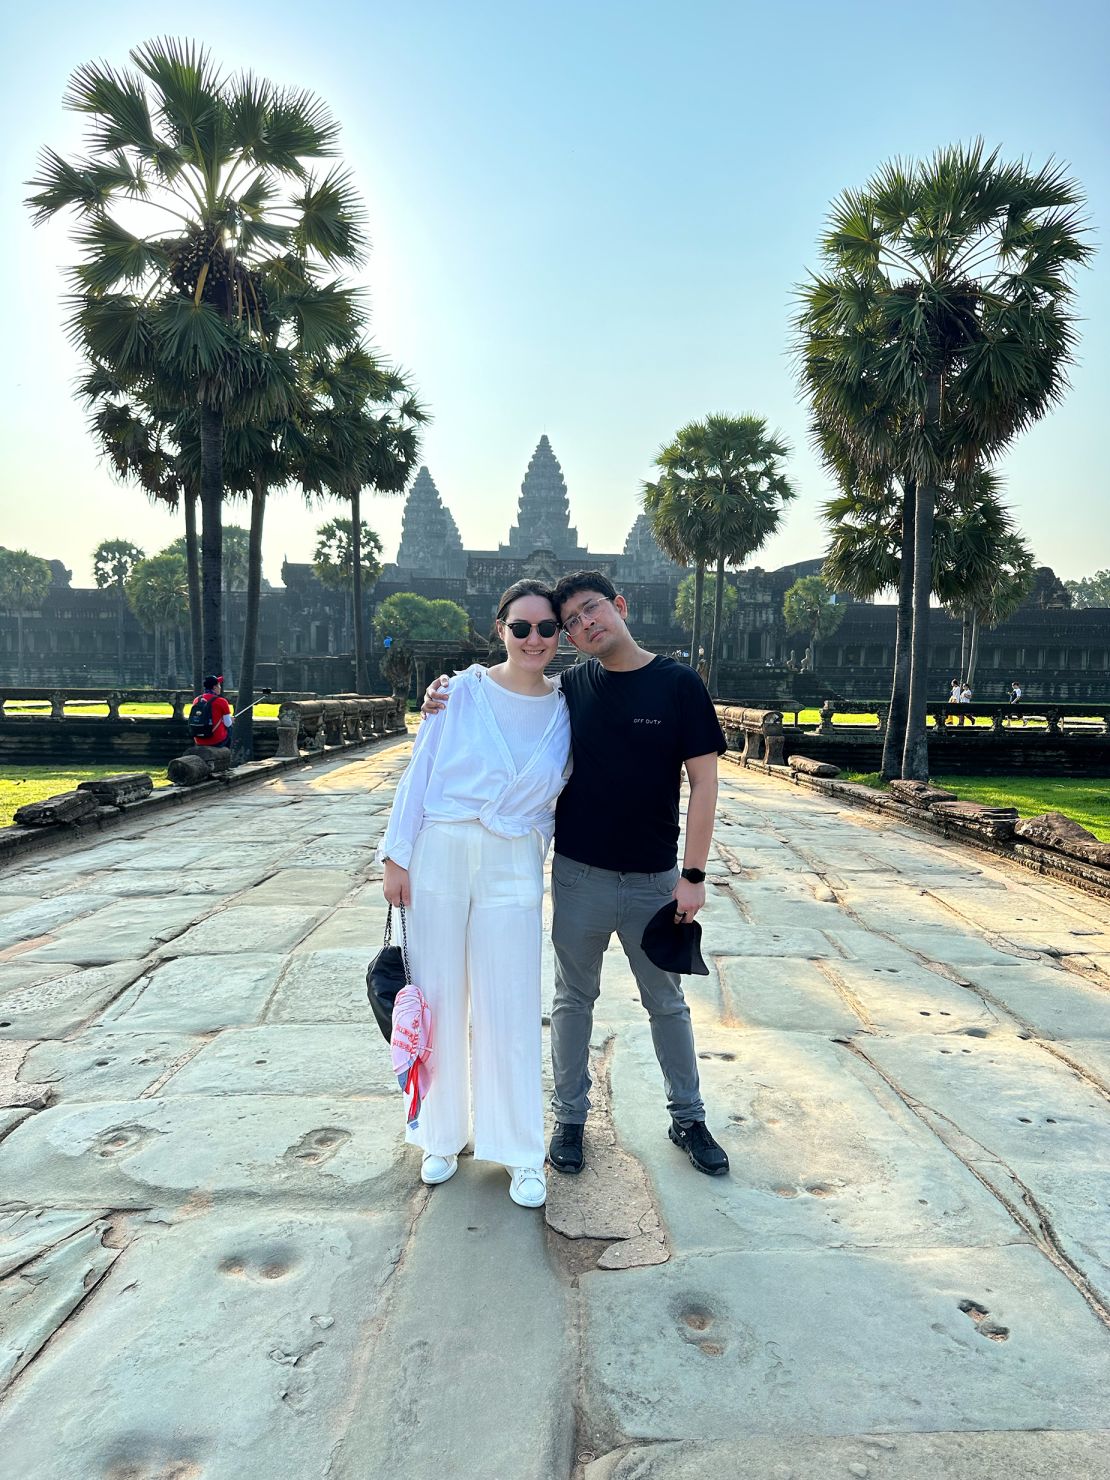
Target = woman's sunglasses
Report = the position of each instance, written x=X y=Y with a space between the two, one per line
x=520 y=630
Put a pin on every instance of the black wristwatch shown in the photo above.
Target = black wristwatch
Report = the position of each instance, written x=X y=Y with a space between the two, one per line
x=694 y=875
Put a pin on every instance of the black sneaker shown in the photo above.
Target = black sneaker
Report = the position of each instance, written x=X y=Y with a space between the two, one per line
x=700 y=1147
x=565 y=1151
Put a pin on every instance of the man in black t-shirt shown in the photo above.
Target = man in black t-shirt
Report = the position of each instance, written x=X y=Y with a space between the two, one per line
x=636 y=722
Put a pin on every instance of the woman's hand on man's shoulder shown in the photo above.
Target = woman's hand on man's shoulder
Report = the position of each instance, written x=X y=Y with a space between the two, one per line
x=435 y=696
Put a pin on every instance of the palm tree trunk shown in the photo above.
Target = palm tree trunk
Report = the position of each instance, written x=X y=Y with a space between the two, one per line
x=915 y=755
x=242 y=732
x=895 y=740
x=192 y=565
x=963 y=644
x=699 y=593
x=973 y=652
x=120 y=598
x=718 y=607
x=211 y=504
x=361 y=685
x=157 y=679
x=19 y=648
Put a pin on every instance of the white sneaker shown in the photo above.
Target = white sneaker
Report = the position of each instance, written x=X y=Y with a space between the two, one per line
x=434 y=1169
x=528 y=1188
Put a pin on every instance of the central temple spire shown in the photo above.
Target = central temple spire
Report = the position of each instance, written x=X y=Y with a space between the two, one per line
x=543 y=513
x=430 y=543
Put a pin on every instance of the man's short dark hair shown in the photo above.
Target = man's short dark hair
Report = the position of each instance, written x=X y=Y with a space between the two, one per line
x=581 y=580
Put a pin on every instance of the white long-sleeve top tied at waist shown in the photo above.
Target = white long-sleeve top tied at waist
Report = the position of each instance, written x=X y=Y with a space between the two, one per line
x=462 y=770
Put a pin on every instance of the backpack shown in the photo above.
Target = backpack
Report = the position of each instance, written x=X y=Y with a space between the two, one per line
x=200 y=718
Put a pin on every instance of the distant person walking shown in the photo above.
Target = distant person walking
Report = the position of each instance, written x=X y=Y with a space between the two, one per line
x=210 y=715
x=965 y=698
x=954 y=698
x=1015 y=699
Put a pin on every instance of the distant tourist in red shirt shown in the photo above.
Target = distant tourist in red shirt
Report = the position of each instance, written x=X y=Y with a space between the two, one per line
x=210 y=716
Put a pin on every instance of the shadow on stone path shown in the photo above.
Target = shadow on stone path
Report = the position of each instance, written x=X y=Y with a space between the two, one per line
x=216 y=1260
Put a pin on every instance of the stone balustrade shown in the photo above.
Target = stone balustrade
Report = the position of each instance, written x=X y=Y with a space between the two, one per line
x=176 y=701
x=1057 y=718
x=757 y=733
x=318 y=724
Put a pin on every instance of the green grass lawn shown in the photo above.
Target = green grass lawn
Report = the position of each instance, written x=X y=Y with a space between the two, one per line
x=1085 y=802
x=22 y=784
x=93 y=708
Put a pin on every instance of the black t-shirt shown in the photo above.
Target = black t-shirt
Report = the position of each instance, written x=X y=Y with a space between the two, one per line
x=631 y=733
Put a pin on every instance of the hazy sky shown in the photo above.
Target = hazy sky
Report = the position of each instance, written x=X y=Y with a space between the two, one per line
x=587 y=219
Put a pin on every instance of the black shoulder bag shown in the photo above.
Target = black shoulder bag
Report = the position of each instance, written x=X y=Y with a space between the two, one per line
x=387 y=973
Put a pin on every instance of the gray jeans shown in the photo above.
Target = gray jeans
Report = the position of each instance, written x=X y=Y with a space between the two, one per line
x=589 y=904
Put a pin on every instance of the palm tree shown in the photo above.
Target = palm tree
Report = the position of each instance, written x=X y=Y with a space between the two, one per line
x=333 y=564
x=995 y=596
x=870 y=550
x=809 y=606
x=364 y=433
x=682 y=531
x=113 y=562
x=938 y=329
x=197 y=213
x=24 y=581
x=158 y=591
x=729 y=469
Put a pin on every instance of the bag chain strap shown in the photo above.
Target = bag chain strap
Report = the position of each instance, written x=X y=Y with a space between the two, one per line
x=404 y=938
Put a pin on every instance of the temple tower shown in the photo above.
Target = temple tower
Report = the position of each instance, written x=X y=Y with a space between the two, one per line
x=543 y=513
x=643 y=560
x=430 y=543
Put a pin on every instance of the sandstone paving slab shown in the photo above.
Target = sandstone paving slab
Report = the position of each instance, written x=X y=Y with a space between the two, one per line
x=11 y=1117
x=194 y=1150
x=1081 y=1455
x=1092 y=1055
x=350 y=927
x=104 y=1064
x=820 y=1156
x=884 y=907
x=793 y=996
x=42 y=1294
x=1063 y=941
x=10 y=902
x=126 y=930
x=1056 y=1003
x=185 y=995
x=293 y=1058
x=837 y=1342
x=767 y=908
x=20 y=972
x=1010 y=1097
x=757 y=940
x=472 y=1374
x=28 y=1232
x=271 y=1311
x=301 y=886
x=323 y=987
x=910 y=998
x=1023 y=910
x=139 y=883
x=55 y=1007
x=46 y=915
x=269 y=929
x=951 y=946
x=322 y=853
x=1084 y=1232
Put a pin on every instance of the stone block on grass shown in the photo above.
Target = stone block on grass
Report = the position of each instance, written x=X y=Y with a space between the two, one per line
x=1063 y=835
x=919 y=793
x=809 y=767
x=69 y=806
x=117 y=791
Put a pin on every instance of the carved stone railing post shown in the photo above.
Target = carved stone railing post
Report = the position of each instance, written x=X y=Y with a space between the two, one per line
x=827 y=712
x=115 y=699
x=177 y=705
x=57 y=705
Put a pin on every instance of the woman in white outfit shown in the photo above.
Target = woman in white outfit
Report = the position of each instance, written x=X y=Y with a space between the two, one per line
x=463 y=852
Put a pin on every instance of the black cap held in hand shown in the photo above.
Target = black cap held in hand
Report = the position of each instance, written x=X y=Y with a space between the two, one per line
x=674 y=947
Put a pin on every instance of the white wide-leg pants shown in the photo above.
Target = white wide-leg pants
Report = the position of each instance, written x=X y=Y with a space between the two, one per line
x=475 y=933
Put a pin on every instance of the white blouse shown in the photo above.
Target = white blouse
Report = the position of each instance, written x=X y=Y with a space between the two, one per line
x=462 y=770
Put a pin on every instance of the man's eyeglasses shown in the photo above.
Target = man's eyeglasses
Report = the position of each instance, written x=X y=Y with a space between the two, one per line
x=573 y=623
x=520 y=630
